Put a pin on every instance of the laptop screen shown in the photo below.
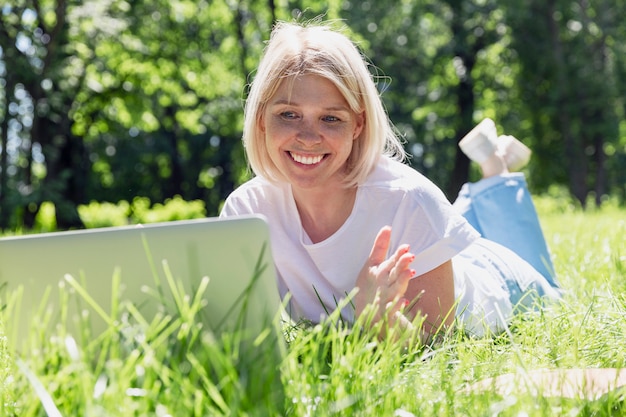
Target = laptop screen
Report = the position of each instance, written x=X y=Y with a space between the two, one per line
x=225 y=265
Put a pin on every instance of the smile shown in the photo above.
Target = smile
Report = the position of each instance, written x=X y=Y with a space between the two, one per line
x=306 y=160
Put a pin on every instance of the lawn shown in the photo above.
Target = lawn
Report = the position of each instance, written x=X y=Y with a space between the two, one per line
x=171 y=366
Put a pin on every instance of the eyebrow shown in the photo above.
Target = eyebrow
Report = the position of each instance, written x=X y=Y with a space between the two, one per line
x=291 y=103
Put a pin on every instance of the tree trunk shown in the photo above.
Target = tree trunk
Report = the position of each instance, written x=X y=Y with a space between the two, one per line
x=464 y=97
x=574 y=150
x=272 y=6
x=176 y=177
x=74 y=172
x=466 y=105
x=5 y=208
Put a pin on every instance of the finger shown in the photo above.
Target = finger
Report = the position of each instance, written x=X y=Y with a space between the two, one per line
x=401 y=252
x=401 y=282
x=386 y=267
x=401 y=321
x=400 y=266
x=396 y=285
x=381 y=246
x=405 y=260
x=396 y=306
x=393 y=306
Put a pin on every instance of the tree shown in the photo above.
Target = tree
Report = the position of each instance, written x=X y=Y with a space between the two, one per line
x=442 y=80
x=49 y=161
x=126 y=99
x=109 y=99
x=569 y=81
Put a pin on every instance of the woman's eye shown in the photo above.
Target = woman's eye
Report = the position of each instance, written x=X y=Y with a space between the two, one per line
x=330 y=119
x=288 y=115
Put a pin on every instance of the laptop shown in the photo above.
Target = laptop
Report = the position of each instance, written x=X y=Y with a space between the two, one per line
x=92 y=275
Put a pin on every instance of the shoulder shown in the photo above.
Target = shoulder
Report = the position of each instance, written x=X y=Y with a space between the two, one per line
x=392 y=176
x=418 y=211
x=413 y=197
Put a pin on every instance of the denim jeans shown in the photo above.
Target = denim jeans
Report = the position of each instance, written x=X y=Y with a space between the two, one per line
x=502 y=210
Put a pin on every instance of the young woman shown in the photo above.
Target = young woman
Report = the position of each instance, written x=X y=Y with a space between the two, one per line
x=345 y=212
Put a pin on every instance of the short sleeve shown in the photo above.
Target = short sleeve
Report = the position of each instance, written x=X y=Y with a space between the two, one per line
x=435 y=231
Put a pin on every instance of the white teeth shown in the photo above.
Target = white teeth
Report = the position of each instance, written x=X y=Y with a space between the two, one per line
x=306 y=160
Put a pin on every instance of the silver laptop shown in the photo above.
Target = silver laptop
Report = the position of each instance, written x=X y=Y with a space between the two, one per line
x=62 y=277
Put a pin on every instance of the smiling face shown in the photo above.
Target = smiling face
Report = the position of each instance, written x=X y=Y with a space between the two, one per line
x=309 y=132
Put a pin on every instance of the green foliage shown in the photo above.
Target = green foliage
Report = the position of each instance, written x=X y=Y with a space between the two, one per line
x=104 y=214
x=171 y=365
x=141 y=210
x=110 y=100
x=46 y=218
x=173 y=209
x=573 y=130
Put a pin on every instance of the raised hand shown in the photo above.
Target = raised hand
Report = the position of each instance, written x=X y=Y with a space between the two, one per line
x=383 y=280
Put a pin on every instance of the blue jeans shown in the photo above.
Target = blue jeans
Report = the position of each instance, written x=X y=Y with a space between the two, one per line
x=501 y=209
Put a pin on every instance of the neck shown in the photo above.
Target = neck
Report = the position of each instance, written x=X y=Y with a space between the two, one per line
x=323 y=212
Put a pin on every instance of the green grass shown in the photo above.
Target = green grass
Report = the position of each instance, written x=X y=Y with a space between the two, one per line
x=172 y=366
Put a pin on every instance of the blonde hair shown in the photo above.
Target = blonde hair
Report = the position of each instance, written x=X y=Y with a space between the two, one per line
x=297 y=49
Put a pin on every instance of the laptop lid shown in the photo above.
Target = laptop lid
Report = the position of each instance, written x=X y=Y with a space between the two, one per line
x=156 y=267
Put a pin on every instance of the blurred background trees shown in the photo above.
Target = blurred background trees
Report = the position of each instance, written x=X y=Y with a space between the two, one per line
x=111 y=100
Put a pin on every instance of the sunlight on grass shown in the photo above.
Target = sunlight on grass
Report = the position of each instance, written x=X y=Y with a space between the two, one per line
x=172 y=365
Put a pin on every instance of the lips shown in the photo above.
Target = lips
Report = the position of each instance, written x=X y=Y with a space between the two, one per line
x=306 y=159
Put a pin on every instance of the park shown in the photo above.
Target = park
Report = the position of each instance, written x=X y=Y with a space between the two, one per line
x=116 y=113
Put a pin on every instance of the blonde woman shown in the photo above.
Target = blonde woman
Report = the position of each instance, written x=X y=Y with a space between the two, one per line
x=345 y=212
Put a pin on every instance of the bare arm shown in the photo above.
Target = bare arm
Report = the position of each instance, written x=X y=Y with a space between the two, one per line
x=432 y=296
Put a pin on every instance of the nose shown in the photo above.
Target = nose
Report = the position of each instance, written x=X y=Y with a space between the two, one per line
x=307 y=133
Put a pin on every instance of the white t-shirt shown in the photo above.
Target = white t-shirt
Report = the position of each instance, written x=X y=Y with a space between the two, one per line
x=319 y=275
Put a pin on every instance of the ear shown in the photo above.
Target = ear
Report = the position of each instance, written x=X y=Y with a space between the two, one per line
x=359 y=126
x=261 y=123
